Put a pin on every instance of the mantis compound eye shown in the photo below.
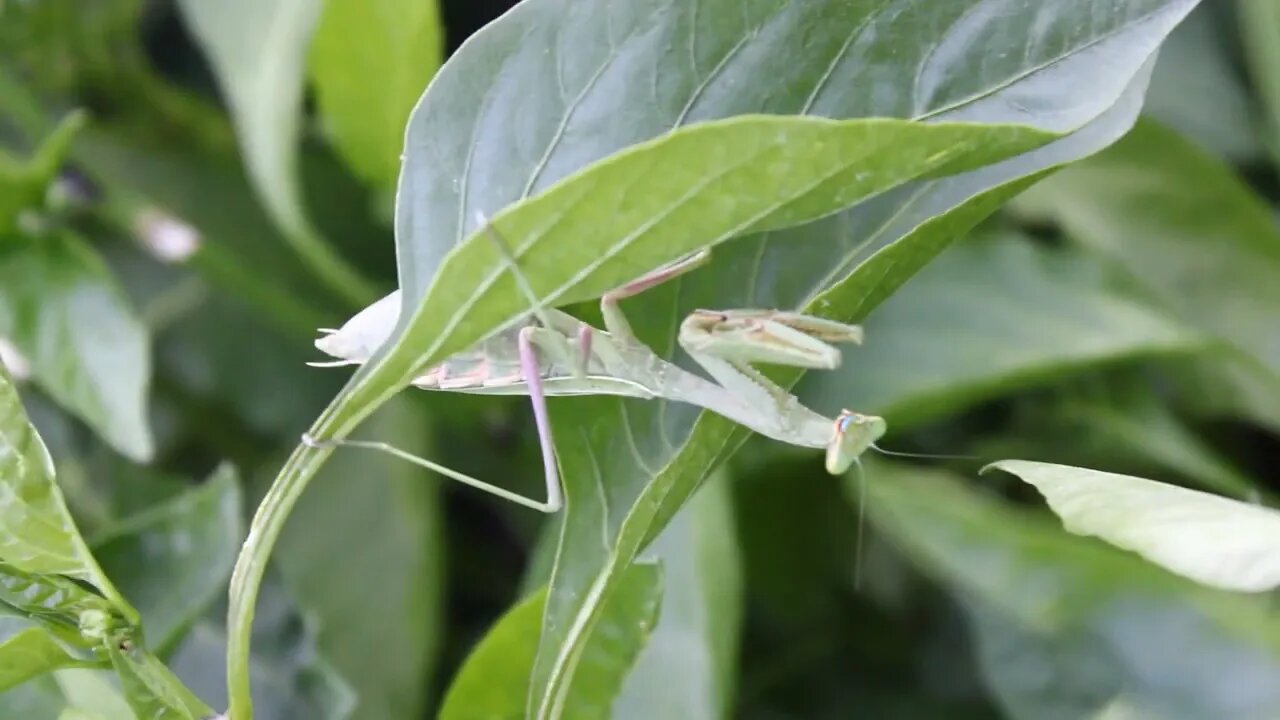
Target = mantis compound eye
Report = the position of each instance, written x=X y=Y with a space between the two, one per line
x=853 y=434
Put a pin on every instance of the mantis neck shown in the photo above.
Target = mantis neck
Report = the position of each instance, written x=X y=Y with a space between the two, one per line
x=785 y=419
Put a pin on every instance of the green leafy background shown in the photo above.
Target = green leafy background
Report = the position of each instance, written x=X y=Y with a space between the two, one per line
x=1088 y=276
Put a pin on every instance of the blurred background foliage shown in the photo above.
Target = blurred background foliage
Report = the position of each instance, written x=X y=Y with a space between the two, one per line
x=1120 y=315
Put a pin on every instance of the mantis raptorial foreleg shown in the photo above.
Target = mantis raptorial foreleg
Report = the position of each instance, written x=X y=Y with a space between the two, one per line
x=563 y=356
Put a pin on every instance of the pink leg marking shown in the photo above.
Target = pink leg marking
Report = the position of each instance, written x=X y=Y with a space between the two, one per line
x=585 y=334
x=529 y=365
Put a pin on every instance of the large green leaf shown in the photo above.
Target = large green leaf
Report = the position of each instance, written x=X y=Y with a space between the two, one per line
x=717 y=179
x=189 y=543
x=151 y=689
x=1115 y=628
x=987 y=318
x=67 y=610
x=1184 y=226
x=654 y=454
x=370 y=62
x=37 y=534
x=258 y=49
x=373 y=506
x=688 y=668
x=658 y=201
x=1211 y=539
x=506 y=119
x=28 y=651
x=493 y=683
x=61 y=308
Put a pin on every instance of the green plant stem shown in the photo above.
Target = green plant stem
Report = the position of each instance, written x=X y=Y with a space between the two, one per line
x=363 y=395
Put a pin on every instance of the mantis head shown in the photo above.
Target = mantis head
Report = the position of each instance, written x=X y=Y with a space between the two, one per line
x=361 y=336
x=853 y=434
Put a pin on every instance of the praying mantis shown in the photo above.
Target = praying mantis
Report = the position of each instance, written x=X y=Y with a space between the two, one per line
x=560 y=355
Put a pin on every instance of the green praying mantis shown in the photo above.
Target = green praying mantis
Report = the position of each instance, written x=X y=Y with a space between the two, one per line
x=558 y=355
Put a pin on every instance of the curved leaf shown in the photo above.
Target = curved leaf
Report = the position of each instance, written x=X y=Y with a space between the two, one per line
x=535 y=97
x=151 y=689
x=659 y=201
x=62 y=308
x=1104 y=628
x=370 y=61
x=1214 y=540
x=27 y=651
x=37 y=534
x=257 y=50
x=493 y=682
x=68 y=610
x=655 y=454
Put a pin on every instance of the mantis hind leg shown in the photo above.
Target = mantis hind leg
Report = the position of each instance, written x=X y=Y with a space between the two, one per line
x=551 y=473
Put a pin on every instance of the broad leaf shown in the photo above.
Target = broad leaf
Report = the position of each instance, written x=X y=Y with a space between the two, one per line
x=1211 y=539
x=478 y=142
x=64 y=311
x=988 y=318
x=37 y=534
x=655 y=454
x=688 y=668
x=189 y=543
x=1116 y=628
x=80 y=618
x=493 y=683
x=1184 y=226
x=370 y=61
x=659 y=201
x=391 y=513
x=494 y=680
x=151 y=689
x=258 y=49
x=28 y=651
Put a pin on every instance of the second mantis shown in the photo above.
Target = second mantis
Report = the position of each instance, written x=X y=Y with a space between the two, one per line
x=561 y=355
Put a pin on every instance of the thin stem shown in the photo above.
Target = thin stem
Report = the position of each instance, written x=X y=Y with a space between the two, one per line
x=366 y=392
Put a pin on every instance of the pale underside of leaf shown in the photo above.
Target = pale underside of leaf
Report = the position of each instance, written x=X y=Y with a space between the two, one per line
x=1214 y=540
